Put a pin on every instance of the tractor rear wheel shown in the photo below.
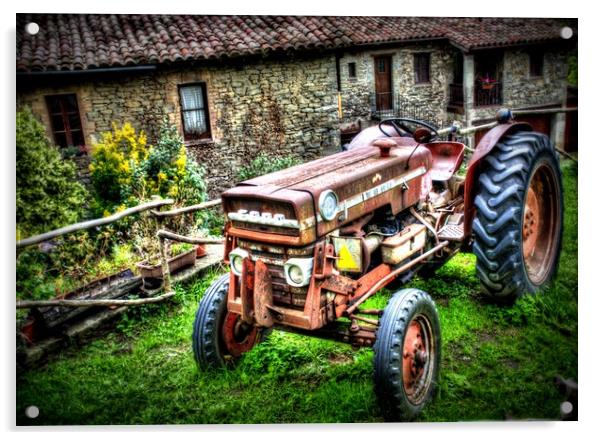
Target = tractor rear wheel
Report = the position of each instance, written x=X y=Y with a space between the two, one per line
x=220 y=337
x=407 y=353
x=519 y=219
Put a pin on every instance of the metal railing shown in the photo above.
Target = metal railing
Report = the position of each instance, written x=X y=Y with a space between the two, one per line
x=456 y=95
x=488 y=94
x=402 y=108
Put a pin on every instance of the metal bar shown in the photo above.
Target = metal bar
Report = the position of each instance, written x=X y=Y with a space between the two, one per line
x=92 y=223
x=162 y=233
x=187 y=209
x=385 y=280
x=425 y=223
x=471 y=130
x=93 y=302
x=543 y=111
x=366 y=320
x=370 y=312
x=565 y=154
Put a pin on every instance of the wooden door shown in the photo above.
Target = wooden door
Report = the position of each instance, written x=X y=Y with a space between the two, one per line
x=382 y=82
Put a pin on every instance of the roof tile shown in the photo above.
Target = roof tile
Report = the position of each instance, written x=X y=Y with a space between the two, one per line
x=67 y=42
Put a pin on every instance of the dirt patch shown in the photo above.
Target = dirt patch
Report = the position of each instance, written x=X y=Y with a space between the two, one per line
x=339 y=358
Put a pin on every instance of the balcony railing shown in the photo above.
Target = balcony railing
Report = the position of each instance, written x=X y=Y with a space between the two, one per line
x=487 y=94
x=401 y=108
x=456 y=95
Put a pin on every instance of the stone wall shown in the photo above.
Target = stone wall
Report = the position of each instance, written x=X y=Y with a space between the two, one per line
x=280 y=107
x=430 y=98
x=521 y=90
x=356 y=93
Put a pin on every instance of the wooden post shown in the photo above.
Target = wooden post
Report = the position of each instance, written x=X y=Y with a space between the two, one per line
x=165 y=265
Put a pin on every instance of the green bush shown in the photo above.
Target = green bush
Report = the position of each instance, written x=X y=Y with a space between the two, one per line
x=48 y=194
x=126 y=171
x=114 y=161
x=265 y=164
x=572 y=76
x=169 y=172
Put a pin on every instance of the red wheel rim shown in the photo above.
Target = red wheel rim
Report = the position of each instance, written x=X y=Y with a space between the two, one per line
x=540 y=229
x=238 y=337
x=418 y=359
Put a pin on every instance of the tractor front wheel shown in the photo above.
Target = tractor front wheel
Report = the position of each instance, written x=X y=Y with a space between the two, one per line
x=407 y=353
x=220 y=337
x=518 y=223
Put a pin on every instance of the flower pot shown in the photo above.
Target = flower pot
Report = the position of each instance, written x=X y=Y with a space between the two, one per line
x=201 y=251
x=487 y=86
x=175 y=264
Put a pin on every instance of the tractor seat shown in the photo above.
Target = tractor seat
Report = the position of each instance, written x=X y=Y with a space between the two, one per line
x=447 y=158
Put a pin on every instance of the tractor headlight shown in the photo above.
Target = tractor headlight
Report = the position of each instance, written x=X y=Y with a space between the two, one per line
x=327 y=204
x=298 y=271
x=236 y=257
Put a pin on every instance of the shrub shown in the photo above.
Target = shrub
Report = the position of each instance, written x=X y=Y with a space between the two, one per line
x=114 y=161
x=48 y=195
x=572 y=76
x=126 y=171
x=169 y=172
x=265 y=164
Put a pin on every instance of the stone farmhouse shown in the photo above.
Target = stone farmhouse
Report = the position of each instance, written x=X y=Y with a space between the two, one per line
x=302 y=85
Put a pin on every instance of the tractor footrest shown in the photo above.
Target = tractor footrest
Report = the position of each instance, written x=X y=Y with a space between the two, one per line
x=451 y=232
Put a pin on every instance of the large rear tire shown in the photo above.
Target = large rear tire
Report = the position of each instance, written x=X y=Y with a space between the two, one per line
x=407 y=354
x=219 y=337
x=519 y=219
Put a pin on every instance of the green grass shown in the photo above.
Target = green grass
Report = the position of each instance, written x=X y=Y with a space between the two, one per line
x=498 y=363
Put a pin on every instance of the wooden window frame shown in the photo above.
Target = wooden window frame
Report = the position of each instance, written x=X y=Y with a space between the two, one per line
x=352 y=70
x=67 y=130
x=206 y=135
x=418 y=79
x=536 y=64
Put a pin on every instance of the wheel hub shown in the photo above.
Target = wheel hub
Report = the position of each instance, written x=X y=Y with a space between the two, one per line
x=530 y=223
x=416 y=359
x=540 y=224
x=238 y=336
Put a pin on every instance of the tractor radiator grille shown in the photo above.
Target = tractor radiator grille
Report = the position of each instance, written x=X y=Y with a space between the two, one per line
x=283 y=294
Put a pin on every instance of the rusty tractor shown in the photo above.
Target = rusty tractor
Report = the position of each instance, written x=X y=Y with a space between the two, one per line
x=307 y=246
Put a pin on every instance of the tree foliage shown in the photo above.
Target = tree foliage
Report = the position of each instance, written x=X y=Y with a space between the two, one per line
x=48 y=195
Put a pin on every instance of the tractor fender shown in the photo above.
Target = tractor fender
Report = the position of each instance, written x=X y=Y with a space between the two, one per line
x=490 y=140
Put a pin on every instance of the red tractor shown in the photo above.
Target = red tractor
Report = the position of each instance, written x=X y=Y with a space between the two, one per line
x=307 y=246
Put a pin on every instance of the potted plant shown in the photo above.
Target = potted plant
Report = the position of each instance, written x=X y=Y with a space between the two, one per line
x=487 y=83
x=181 y=255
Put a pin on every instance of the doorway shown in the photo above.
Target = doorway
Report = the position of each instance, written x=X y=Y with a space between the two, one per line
x=382 y=82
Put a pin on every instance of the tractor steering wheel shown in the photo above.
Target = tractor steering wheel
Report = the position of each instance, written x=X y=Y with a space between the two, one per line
x=398 y=125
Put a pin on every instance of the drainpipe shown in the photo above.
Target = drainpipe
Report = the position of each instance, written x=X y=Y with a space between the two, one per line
x=337 y=58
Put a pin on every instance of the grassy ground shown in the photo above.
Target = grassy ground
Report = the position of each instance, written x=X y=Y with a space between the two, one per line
x=498 y=363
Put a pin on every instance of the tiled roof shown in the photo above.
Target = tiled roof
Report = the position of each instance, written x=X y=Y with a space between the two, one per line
x=76 y=42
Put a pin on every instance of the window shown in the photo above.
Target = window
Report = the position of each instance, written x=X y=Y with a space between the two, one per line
x=65 y=121
x=382 y=68
x=195 y=117
x=422 y=68
x=536 y=63
x=351 y=67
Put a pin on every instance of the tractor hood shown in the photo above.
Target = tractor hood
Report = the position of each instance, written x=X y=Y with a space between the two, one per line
x=286 y=204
